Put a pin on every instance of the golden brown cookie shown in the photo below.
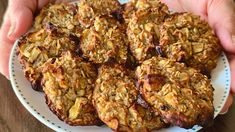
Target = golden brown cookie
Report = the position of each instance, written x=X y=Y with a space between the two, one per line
x=128 y=10
x=104 y=41
x=182 y=95
x=132 y=6
x=36 y=47
x=63 y=16
x=115 y=98
x=143 y=30
x=89 y=9
x=68 y=83
x=187 y=38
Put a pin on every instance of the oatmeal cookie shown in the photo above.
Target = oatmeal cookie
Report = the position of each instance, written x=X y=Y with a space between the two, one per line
x=89 y=9
x=142 y=119
x=132 y=6
x=35 y=48
x=63 y=16
x=182 y=95
x=115 y=98
x=187 y=38
x=68 y=83
x=104 y=41
x=143 y=31
x=128 y=10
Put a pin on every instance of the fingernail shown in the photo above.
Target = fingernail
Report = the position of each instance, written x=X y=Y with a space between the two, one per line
x=11 y=30
x=223 y=113
x=233 y=39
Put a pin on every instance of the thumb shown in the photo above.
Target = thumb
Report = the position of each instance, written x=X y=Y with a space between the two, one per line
x=221 y=17
x=17 y=20
x=228 y=103
x=232 y=68
x=5 y=47
x=21 y=19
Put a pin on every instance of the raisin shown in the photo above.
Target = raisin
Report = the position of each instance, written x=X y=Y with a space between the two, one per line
x=37 y=86
x=164 y=107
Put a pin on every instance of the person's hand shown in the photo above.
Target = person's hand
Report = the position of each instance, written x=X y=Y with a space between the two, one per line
x=221 y=16
x=17 y=20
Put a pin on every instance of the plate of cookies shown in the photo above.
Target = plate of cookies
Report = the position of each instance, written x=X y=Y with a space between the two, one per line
x=98 y=65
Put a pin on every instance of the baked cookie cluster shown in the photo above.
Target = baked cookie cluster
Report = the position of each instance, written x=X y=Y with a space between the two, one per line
x=134 y=67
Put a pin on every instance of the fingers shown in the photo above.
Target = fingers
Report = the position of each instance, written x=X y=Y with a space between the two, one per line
x=59 y=1
x=21 y=17
x=42 y=3
x=20 y=23
x=232 y=68
x=17 y=21
x=5 y=47
x=195 y=7
x=221 y=17
x=228 y=103
x=5 y=28
x=174 y=5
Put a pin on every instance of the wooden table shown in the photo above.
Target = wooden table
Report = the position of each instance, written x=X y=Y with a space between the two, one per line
x=15 y=118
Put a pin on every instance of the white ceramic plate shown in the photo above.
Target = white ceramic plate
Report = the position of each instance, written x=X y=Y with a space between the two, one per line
x=34 y=101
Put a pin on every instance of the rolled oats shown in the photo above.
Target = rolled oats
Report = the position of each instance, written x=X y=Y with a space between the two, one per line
x=68 y=83
x=37 y=47
x=89 y=9
x=144 y=29
x=187 y=38
x=115 y=98
x=104 y=41
x=62 y=16
x=182 y=95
